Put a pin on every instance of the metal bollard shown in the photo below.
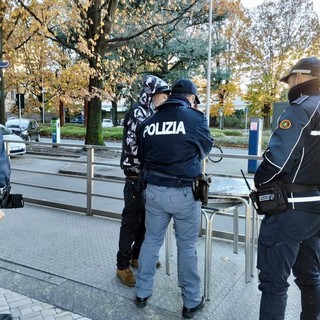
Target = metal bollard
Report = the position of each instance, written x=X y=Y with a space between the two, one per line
x=90 y=174
x=208 y=252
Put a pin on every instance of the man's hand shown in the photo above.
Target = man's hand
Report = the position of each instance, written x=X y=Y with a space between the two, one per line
x=1 y=215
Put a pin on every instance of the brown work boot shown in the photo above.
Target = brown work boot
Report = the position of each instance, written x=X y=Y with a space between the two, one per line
x=126 y=276
x=135 y=264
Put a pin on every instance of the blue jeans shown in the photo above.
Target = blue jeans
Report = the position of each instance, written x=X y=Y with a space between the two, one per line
x=290 y=240
x=162 y=204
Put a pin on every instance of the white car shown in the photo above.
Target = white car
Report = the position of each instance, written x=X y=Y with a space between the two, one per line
x=16 y=147
x=107 y=123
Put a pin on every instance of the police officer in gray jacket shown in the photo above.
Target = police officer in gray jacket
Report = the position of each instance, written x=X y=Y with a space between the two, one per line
x=290 y=240
x=174 y=141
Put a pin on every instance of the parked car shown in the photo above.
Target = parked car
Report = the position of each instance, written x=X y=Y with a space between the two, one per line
x=27 y=129
x=17 y=147
x=78 y=119
x=107 y=123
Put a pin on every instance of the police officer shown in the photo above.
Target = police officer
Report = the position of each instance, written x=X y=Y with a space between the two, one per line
x=4 y=179
x=154 y=92
x=4 y=161
x=291 y=239
x=173 y=143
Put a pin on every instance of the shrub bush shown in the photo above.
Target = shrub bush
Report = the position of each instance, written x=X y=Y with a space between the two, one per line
x=226 y=138
x=233 y=122
x=234 y=133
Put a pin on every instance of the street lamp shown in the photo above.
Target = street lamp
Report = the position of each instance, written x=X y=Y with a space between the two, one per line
x=42 y=93
x=246 y=121
x=209 y=64
x=220 y=118
x=208 y=74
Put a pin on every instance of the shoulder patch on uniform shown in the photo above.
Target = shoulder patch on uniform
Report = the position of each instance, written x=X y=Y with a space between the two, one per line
x=285 y=124
x=300 y=99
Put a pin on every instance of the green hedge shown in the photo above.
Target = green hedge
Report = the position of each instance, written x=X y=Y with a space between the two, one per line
x=226 y=138
x=78 y=131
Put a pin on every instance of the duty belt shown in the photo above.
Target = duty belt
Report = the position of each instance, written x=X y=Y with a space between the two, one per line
x=295 y=187
x=131 y=178
x=164 y=175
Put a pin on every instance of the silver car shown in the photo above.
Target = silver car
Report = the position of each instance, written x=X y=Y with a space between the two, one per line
x=16 y=146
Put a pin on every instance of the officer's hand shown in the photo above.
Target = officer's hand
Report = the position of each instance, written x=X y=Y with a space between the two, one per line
x=1 y=215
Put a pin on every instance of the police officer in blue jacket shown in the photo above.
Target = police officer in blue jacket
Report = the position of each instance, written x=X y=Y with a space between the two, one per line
x=173 y=142
x=154 y=91
x=290 y=240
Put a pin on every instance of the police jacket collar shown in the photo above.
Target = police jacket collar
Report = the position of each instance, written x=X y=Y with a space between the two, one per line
x=175 y=99
x=310 y=88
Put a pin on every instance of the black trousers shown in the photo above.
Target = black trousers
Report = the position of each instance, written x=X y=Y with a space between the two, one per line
x=5 y=317
x=290 y=241
x=132 y=225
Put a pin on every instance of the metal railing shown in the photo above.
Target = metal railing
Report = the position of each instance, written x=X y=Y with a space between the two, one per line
x=89 y=163
x=90 y=176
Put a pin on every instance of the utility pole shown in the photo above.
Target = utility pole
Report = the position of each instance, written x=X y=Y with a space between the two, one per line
x=209 y=64
x=42 y=95
x=208 y=75
x=2 y=95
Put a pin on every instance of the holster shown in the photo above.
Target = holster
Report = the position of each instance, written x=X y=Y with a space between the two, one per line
x=201 y=188
x=270 y=198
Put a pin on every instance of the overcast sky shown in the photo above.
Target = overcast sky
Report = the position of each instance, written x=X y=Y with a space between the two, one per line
x=253 y=3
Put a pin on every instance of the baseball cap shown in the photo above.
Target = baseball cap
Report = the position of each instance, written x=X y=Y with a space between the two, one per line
x=4 y=64
x=309 y=66
x=185 y=86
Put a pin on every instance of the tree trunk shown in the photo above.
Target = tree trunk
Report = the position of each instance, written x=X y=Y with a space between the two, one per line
x=61 y=113
x=266 y=122
x=2 y=100
x=114 y=113
x=94 y=129
x=266 y=115
x=85 y=112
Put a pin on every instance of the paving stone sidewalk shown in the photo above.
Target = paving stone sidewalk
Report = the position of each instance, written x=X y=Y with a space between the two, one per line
x=62 y=264
x=25 y=308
